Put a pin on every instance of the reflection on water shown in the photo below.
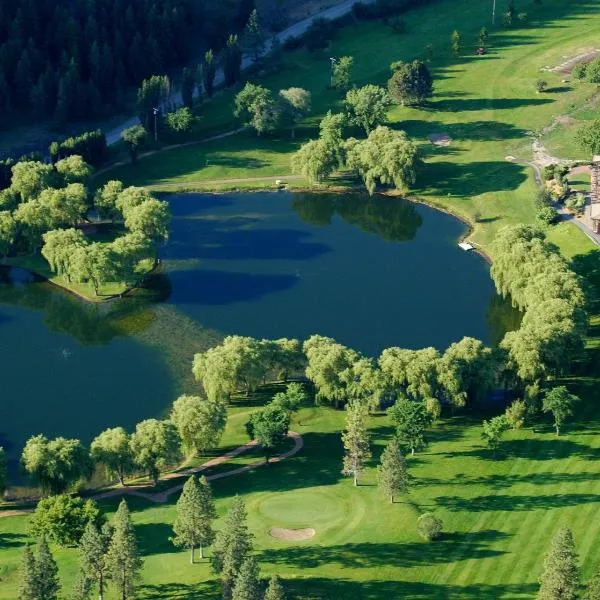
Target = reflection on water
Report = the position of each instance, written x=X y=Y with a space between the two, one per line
x=370 y=272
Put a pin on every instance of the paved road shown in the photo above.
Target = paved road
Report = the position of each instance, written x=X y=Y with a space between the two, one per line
x=339 y=10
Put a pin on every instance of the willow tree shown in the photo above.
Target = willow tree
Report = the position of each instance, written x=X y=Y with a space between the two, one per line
x=386 y=157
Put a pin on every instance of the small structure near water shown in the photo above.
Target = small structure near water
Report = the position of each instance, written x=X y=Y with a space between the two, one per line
x=465 y=246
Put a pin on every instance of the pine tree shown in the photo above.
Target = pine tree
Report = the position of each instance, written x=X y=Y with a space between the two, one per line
x=275 y=590
x=195 y=513
x=209 y=72
x=355 y=439
x=93 y=547
x=28 y=579
x=232 y=545
x=122 y=557
x=593 y=588
x=232 y=60
x=187 y=87
x=391 y=473
x=247 y=586
x=46 y=573
x=560 y=578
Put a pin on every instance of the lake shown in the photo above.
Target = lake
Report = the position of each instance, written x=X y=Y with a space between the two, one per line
x=369 y=272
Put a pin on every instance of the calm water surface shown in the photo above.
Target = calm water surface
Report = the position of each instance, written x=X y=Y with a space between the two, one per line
x=371 y=273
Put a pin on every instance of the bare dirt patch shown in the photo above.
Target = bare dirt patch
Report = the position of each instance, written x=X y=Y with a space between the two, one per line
x=440 y=139
x=292 y=535
x=586 y=56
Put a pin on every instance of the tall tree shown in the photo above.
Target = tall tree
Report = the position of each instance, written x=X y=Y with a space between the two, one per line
x=28 y=583
x=391 y=473
x=255 y=106
x=112 y=449
x=410 y=83
x=295 y=104
x=592 y=591
x=92 y=263
x=155 y=445
x=46 y=573
x=367 y=106
x=199 y=421
x=269 y=426
x=188 y=83
x=122 y=559
x=209 y=71
x=134 y=137
x=194 y=516
x=275 y=590
x=8 y=232
x=411 y=419
x=254 y=37
x=232 y=545
x=55 y=464
x=456 y=43
x=247 y=584
x=93 y=564
x=59 y=248
x=232 y=60
x=340 y=74
x=355 y=439
x=493 y=431
x=559 y=402
x=560 y=578
x=386 y=157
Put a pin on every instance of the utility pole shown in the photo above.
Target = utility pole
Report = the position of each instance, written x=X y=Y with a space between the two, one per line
x=493 y=12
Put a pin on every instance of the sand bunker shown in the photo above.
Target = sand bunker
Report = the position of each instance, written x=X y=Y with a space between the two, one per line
x=585 y=57
x=292 y=535
x=440 y=139
x=510 y=158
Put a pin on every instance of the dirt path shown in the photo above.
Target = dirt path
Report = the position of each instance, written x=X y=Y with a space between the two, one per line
x=143 y=491
x=183 y=184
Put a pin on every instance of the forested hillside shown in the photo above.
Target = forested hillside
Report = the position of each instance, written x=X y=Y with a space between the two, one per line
x=73 y=59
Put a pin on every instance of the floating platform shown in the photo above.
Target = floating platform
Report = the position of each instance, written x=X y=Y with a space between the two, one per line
x=465 y=246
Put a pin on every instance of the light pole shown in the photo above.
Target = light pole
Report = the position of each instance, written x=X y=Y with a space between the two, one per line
x=332 y=65
x=155 y=111
x=493 y=12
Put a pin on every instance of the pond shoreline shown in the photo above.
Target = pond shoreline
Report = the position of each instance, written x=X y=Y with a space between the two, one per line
x=335 y=190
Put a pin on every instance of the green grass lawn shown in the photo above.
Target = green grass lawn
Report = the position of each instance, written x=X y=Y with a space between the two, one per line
x=499 y=515
x=487 y=105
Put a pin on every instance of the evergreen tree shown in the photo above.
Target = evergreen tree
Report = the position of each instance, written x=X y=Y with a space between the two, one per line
x=122 y=559
x=355 y=439
x=28 y=580
x=46 y=573
x=560 y=578
x=93 y=548
x=2 y=459
x=188 y=83
x=247 y=586
x=195 y=513
x=391 y=473
x=232 y=61
x=593 y=588
x=254 y=37
x=208 y=73
x=275 y=590
x=232 y=545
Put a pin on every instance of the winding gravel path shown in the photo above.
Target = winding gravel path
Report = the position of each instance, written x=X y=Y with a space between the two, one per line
x=143 y=491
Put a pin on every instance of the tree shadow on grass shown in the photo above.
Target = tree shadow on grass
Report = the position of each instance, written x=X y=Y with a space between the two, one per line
x=12 y=540
x=475 y=104
x=153 y=538
x=473 y=178
x=514 y=503
x=533 y=449
x=197 y=591
x=326 y=589
x=449 y=548
x=483 y=130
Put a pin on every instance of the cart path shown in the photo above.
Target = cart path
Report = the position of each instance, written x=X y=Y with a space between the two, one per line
x=144 y=491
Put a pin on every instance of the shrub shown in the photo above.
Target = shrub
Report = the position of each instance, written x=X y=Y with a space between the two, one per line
x=523 y=17
x=576 y=202
x=429 y=526
x=91 y=146
x=319 y=34
x=548 y=172
x=543 y=198
x=580 y=71
x=547 y=215
x=541 y=85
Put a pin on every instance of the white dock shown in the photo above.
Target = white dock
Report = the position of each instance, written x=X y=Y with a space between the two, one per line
x=465 y=246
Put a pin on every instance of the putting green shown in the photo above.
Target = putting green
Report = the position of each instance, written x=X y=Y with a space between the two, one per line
x=318 y=508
